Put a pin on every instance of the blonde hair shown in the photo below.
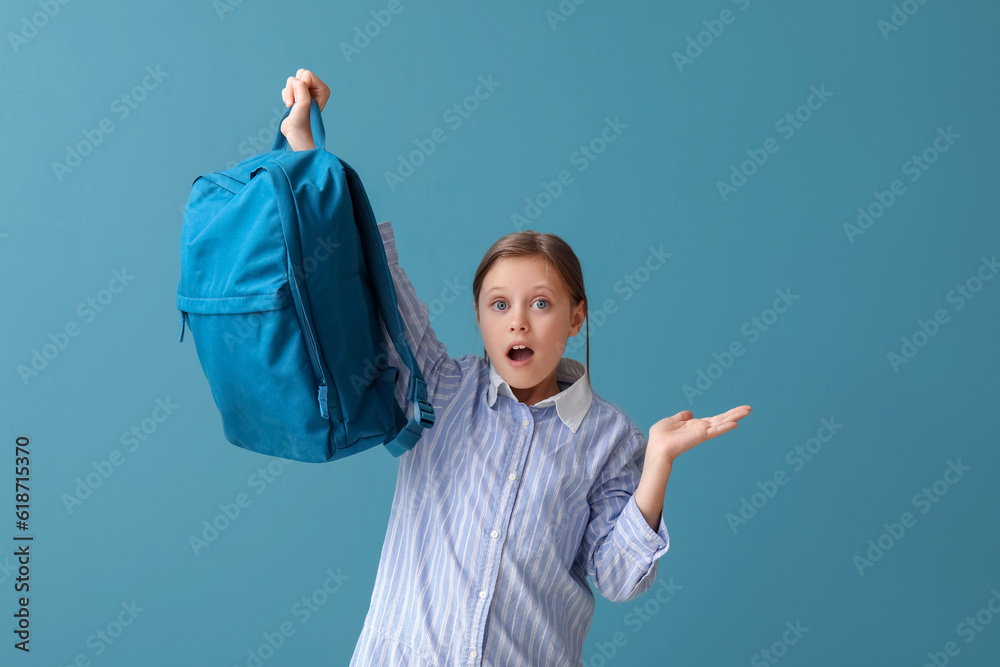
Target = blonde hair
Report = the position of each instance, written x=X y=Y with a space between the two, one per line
x=555 y=252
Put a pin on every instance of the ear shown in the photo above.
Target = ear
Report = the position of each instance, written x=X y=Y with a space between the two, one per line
x=577 y=317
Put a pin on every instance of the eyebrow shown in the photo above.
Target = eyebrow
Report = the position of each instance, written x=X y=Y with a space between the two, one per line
x=533 y=287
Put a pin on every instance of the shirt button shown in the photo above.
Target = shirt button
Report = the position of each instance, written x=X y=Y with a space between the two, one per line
x=472 y=654
x=524 y=423
x=512 y=477
x=494 y=534
x=482 y=594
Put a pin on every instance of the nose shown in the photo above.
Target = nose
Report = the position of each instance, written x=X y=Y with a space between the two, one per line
x=518 y=321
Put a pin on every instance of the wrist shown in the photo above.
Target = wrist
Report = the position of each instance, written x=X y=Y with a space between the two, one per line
x=658 y=459
x=655 y=474
x=300 y=142
x=649 y=496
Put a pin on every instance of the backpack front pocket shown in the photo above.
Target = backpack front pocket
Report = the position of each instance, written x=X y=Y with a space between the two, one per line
x=263 y=378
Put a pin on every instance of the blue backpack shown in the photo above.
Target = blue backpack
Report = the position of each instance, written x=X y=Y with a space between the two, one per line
x=283 y=280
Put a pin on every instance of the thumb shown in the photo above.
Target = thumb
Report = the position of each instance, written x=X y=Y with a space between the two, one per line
x=672 y=422
x=300 y=100
x=297 y=125
x=318 y=90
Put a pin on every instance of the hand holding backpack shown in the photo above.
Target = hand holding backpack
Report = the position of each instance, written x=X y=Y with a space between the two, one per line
x=283 y=281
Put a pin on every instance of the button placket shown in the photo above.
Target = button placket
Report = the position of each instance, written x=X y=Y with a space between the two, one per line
x=493 y=556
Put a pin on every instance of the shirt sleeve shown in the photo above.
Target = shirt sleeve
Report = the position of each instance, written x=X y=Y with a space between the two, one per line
x=620 y=548
x=442 y=374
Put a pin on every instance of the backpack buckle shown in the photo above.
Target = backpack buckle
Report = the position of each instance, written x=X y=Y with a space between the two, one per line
x=426 y=413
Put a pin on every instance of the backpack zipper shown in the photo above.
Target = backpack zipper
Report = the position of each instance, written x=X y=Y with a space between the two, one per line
x=282 y=188
x=313 y=349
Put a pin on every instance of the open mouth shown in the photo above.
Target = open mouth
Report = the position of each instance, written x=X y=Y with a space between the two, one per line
x=520 y=354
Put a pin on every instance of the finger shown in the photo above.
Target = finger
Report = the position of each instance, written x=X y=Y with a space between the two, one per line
x=726 y=418
x=735 y=413
x=288 y=94
x=719 y=429
x=299 y=89
x=680 y=419
x=300 y=93
x=318 y=90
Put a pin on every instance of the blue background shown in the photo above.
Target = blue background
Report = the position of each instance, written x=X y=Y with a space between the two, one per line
x=736 y=585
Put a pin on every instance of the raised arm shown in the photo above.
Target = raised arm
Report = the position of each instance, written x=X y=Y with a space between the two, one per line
x=620 y=550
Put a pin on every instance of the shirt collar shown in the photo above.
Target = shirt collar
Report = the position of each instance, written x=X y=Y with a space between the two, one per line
x=571 y=403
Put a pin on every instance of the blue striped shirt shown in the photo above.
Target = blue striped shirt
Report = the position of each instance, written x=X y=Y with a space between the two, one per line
x=501 y=512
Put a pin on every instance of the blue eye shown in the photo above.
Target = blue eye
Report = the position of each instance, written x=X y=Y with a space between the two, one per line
x=504 y=302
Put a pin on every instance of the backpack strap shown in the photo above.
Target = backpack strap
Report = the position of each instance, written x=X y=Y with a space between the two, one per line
x=385 y=294
x=315 y=121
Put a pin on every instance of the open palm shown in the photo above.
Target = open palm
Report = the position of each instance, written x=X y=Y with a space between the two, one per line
x=672 y=436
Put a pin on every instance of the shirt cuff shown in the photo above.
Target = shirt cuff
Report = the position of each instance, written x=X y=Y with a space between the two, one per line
x=640 y=540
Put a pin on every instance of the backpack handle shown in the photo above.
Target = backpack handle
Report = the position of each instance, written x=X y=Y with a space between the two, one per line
x=315 y=119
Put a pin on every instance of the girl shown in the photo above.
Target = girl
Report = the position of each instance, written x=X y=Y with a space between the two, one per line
x=527 y=483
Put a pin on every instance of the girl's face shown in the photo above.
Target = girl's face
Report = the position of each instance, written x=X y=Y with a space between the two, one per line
x=523 y=300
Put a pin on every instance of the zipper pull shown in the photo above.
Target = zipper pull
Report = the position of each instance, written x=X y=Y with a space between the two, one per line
x=183 y=317
x=322 y=402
